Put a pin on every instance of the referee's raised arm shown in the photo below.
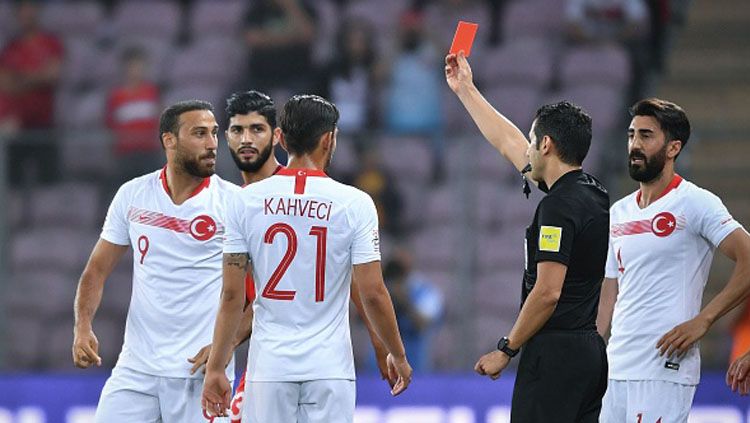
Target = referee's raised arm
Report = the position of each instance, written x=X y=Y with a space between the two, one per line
x=503 y=134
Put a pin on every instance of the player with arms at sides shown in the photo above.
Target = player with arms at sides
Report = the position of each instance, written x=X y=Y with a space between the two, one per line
x=305 y=237
x=174 y=220
x=563 y=369
x=251 y=139
x=662 y=241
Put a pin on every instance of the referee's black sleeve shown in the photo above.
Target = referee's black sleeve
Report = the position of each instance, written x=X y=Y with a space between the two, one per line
x=557 y=229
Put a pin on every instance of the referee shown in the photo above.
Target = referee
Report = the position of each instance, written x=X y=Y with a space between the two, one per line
x=562 y=374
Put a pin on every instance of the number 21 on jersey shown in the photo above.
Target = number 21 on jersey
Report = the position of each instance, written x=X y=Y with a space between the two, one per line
x=321 y=233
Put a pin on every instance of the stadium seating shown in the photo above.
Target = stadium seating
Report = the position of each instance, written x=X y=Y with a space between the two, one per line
x=155 y=17
x=466 y=231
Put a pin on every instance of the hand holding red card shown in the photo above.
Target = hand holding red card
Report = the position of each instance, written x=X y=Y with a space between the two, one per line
x=464 y=38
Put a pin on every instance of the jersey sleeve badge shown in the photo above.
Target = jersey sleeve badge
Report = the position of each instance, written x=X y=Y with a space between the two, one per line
x=549 y=238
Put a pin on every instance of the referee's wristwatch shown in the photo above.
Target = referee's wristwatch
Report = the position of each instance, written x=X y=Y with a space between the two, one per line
x=502 y=345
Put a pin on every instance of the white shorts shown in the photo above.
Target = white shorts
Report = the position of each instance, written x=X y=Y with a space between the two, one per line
x=329 y=401
x=646 y=401
x=130 y=396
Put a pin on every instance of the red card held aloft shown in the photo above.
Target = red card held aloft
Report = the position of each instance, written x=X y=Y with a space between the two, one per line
x=464 y=37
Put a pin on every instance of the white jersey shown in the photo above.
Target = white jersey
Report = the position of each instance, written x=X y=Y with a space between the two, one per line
x=177 y=262
x=303 y=232
x=661 y=256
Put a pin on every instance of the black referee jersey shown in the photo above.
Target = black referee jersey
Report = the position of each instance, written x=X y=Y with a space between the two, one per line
x=562 y=373
x=571 y=226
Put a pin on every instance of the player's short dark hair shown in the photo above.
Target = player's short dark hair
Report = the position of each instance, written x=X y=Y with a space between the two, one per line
x=568 y=126
x=169 y=121
x=304 y=119
x=671 y=117
x=246 y=102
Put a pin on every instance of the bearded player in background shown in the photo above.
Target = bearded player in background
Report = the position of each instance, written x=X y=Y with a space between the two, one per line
x=661 y=244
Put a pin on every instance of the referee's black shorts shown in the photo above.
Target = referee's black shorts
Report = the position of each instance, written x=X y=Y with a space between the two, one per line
x=562 y=377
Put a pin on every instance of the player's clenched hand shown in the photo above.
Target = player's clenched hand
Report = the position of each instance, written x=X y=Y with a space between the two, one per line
x=738 y=377
x=381 y=356
x=492 y=364
x=217 y=394
x=677 y=341
x=458 y=72
x=85 y=349
x=200 y=359
x=400 y=371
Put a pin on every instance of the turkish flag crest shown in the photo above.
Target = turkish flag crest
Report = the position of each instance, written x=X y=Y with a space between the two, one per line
x=203 y=227
x=663 y=224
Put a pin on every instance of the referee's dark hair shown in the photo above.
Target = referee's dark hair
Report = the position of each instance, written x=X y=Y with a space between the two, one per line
x=246 y=102
x=568 y=126
x=672 y=119
x=304 y=119
x=169 y=121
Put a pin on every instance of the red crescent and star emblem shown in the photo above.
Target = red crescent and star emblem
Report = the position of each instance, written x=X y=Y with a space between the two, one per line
x=663 y=224
x=203 y=227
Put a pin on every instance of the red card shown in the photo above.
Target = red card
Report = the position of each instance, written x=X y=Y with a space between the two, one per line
x=464 y=37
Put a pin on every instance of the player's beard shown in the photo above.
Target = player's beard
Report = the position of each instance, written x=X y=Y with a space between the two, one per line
x=253 y=166
x=651 y=167
x=194 y=167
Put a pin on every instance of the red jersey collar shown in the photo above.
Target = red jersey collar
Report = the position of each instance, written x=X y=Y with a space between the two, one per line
x=300 y=172
x=672 y=185
x=163 y=176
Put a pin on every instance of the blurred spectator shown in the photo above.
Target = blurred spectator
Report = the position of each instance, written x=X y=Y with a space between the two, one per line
x=351 y=77
x=662 y=19
x=281 y=36
x=413 y=95
x=607 y=20
x=741 y=332
x=621 y=21
x=29 y=70
x=374 y=180
x=419 y=307
x=133 y=116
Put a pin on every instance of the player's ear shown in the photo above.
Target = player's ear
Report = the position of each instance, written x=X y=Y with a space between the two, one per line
x=276 y=137
x=169 y=140
x=279 y=137
x=327 y=140
x=674 y=149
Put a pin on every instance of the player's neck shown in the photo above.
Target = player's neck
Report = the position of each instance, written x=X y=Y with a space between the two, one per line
x=306 y=162
x=268 y=169
x=181 y=184
x=654 y=189
x=555 y=170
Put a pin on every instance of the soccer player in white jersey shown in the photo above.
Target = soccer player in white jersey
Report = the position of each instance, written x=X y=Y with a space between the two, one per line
x=662 y=240
x=305 y=236
x=173 y=219
x=250 y=137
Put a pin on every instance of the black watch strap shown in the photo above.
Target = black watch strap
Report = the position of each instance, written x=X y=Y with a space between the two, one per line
x=502 y=345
